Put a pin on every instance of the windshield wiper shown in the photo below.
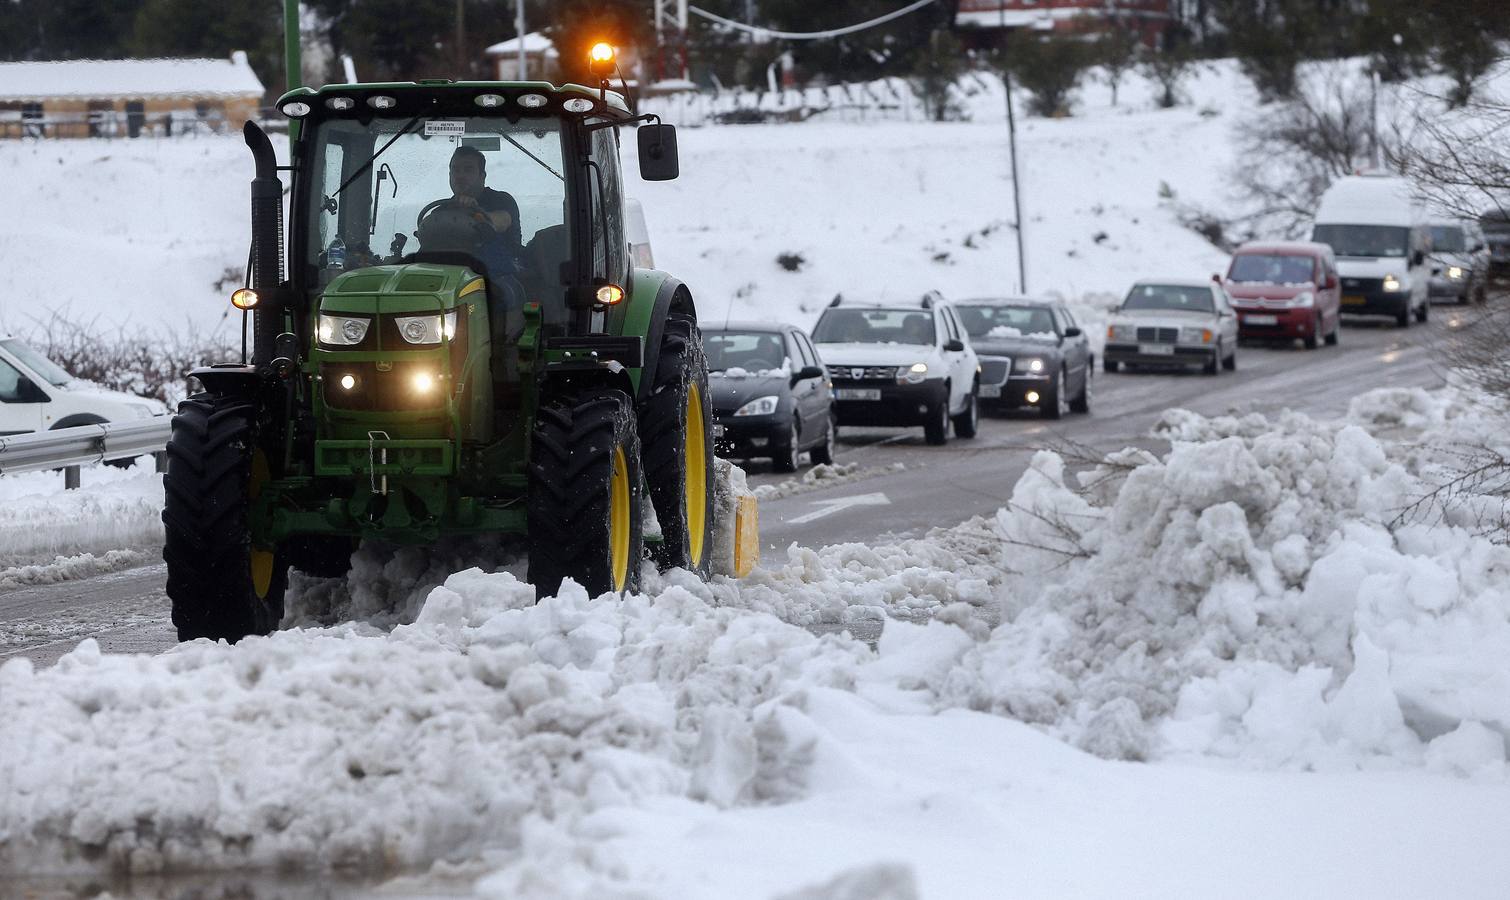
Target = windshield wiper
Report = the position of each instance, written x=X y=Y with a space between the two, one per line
x=330 y=199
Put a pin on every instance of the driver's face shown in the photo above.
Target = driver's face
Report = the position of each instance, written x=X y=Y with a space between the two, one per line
x=466 y=177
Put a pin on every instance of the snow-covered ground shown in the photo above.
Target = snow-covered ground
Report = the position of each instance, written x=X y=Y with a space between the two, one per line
x=1227 y=671
x=1319 y=689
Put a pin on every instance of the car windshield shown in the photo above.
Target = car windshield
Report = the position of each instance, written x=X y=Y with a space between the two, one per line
x=467 y=178
x=874 y=326
x=1272 y=268
x=1448 y=238
x=1007 y=321
x=1364 y=240
x=743 y=351
x=1169 y=296
x=38 y=363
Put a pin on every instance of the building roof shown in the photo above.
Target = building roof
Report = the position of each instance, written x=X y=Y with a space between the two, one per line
x=100 y=79
x=534 y=42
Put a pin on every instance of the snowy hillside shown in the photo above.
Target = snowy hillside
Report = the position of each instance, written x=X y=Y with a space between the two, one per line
x=136 y=234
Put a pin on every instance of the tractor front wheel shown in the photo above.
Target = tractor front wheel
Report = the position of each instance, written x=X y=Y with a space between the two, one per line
x=584 y=495
x=676 y=433
x=221 y=586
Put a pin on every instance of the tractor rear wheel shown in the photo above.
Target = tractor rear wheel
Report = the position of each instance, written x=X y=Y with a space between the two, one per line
x=221 y=586
x=584 y=496
x=676 y=435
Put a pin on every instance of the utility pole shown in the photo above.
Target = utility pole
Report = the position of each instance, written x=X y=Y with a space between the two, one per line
x=519 y=26
x=671 y=36
x=1022 y=260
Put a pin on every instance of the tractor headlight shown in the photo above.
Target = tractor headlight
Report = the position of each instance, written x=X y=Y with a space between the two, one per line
x=427 y=329
x=422 y=382
x=914 y=374
x=1190 y=335
x=760 y=406
x=348 y=382
x=343 y=331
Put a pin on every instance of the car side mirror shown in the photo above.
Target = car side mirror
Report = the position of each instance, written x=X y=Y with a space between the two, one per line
x=806 y=372
x=954 y=345
x=1417 y=258
x=1072 y=331
x=657 y=145
x=1330 y=283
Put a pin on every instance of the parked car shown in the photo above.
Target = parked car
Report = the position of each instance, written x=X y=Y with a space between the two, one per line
x=36 y=394
x=900 y=365
x=1032 y=353
x=1459 y=261
x=1173 y=322
x=770 y=393
x=1495 y=224
x=1286 y=290
x=1379 y=234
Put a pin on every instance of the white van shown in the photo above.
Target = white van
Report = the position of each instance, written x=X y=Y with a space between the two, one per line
x=1381 y=238
x=36 y=394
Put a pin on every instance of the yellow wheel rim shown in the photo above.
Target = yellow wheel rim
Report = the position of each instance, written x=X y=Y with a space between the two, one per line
x=696 y=494
x=262 y=560
x=618 y=520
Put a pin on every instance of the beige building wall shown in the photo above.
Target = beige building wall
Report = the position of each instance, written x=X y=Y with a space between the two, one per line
x=70 y=117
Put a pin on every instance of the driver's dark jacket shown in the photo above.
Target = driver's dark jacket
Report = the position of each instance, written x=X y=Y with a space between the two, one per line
x=502 y=253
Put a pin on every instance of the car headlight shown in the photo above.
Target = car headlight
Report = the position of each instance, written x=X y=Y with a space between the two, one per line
x=1121 y=332
x=343 y=331
x=1192 y=335
x=760 y=406
x=1454 y=272
x=426 y=329
x=1391 y=283
x=1028 y=364
x=914 y=374
x=1304 y=298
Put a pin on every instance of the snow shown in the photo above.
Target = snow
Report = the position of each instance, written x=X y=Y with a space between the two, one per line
x=1295 y=670
x=1007 y=331
x=1241 y=667
x=129 y=78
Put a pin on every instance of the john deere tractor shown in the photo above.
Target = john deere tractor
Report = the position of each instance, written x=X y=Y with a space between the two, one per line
x=454 y=342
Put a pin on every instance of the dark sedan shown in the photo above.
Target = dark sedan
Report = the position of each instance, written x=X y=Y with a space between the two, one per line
x=1032 y=353
x=770 y=394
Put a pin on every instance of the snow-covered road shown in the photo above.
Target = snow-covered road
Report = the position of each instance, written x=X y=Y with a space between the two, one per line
x=924 y=487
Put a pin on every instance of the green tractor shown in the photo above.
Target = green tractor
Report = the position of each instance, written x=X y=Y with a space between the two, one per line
x=456 y=342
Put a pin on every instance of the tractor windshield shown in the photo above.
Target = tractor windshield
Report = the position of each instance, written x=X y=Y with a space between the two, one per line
x=480 y=190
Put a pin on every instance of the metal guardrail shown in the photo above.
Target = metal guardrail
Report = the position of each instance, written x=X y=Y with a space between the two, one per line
x=69 y=448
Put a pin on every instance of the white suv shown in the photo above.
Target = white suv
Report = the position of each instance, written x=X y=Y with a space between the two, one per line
x=900 y=365
x=36 y=394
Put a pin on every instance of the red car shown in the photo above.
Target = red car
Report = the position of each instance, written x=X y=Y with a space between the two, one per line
x=1286 y=290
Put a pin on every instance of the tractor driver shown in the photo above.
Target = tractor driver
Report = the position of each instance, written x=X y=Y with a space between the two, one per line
x=499 y=247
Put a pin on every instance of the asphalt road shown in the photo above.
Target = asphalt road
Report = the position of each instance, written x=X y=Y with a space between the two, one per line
x=935 y=486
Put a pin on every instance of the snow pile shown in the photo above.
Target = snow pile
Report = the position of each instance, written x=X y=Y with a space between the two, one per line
x=114 y=509
x=823 y=475
x=1249 y=597
x=354 y=748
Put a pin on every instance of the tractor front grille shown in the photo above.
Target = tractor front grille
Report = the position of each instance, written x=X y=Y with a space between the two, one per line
x=390 y=389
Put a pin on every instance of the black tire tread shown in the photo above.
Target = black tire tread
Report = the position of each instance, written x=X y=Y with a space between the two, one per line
x=680 y=364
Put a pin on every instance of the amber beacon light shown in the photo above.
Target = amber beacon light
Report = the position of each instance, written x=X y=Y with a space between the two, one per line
x=602 y=58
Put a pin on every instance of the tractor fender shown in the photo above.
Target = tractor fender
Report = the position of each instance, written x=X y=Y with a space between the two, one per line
x=229 y=379
x=655 y=296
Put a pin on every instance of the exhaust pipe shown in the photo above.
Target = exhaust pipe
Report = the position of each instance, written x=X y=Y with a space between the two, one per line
x=267 y=244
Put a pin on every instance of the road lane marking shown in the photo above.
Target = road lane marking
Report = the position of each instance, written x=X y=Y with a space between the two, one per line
x=829 y=507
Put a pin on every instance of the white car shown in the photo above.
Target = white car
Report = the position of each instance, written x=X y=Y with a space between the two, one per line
x=36 y=394
x=1173 y=322
x=900 y=365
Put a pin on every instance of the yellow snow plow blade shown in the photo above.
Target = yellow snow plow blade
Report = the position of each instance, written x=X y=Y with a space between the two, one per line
x=746 y=535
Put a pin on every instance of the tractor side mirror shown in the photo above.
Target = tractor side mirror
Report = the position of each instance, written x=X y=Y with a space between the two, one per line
x=658 y=152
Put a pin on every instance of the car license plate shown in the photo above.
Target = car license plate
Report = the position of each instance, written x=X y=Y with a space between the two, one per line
x=857 y=394
x=1156 y=349
x=1353 y=300
x=990 y=391
x=1261 y=320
